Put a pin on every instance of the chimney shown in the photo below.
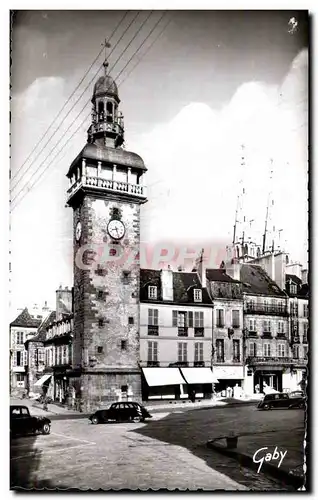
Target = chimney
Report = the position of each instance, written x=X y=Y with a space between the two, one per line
x=304 y=276
x=201 y=268
x=295 y=268
x=64 y=302
x=281 y=269
x=232 y=264
x=166 y=276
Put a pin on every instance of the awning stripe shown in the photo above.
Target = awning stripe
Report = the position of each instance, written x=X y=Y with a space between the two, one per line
x=162 y=376
x=43 y=379
x=199 y=375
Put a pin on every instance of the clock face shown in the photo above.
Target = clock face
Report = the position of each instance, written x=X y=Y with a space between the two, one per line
x=78 y=231
x=116 y=229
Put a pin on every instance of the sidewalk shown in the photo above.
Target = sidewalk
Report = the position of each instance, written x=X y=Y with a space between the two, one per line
x=291 y=441
x=59 y=412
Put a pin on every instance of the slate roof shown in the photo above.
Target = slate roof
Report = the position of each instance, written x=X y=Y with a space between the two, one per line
x=183 y=285
x=40 y=336
x=25 y=320
x=219 y=275
x=257 y=282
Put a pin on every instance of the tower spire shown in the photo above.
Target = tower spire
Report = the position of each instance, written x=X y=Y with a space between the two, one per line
x=270 y=204
x=239 y=213
x=106 y=45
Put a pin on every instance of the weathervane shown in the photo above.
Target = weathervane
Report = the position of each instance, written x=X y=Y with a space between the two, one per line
x=106 y=45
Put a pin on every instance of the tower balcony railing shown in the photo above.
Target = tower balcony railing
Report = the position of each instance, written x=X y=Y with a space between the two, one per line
x=105 y=126
x=137 y=190
x=271 y=310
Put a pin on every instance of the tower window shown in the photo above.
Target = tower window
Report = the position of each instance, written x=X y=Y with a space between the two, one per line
x=99 y=349
x=100 y=111
x=101 y=322
x=131 y=320
x=101 y=294
x=109 y=111
x=123 y=345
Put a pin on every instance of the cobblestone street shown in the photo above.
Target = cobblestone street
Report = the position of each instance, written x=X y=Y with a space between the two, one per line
x=168 y=452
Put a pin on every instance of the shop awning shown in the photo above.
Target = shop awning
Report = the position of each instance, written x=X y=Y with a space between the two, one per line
x=162 y=376
x=43 y=379
x=199 y=376
x=228 y=372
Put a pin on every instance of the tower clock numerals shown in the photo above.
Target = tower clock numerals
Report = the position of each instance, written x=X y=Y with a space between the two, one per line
x=78 y=231
x=116 y=229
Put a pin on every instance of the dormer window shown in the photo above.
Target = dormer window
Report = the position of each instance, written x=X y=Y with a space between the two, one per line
x=293 y=288
x=152 y=292
x=197 y=295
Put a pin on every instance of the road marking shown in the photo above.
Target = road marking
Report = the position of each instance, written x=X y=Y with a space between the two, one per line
x=73 y=438
x=51 y=451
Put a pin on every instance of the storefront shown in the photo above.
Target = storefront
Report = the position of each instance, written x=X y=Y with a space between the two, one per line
x=229 y=378
x=268 y=377
x=177 y=383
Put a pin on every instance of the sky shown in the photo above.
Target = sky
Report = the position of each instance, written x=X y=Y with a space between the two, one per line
x=212 y=81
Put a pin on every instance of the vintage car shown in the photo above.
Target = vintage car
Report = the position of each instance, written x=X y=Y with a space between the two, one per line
x=22 y=423
x=120 y=412
x=281 y=400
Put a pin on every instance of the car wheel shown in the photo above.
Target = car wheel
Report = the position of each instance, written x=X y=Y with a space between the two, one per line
x=46 y=429
x=266 y=407
x=95 y=421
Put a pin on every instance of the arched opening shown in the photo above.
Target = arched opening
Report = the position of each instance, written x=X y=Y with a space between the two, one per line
x=100 y=111
x=109 y=112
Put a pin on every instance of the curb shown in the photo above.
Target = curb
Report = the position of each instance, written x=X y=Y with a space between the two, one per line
x=247 y=461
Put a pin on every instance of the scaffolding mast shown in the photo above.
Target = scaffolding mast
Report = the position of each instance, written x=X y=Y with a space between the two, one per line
x=240 y=197
x=270 y=204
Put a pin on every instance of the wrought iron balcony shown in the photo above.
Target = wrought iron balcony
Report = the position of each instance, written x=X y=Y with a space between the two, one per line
x=153 y=330
x=182 y=331
x=198 y=363
x=274 y=360
x=281 y=335
x=153 y=363
x=270 y=310
x=198 y=332
x=267 y=335
x=251 y=334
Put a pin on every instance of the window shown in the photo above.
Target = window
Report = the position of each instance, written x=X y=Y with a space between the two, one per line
x=296 y=351
x=101 y=323
x=280 y=306
x=153 y=322
x=41 y=355
x=179 y=319
x=251 y=304
x=252 y=325
x=294 y=308
x=123 y=345
x=253 y=349
x=305 y=333
x=198 y=319
x=266 y=305
x=293 y=288
x=236 y=351
x=182 y=352
x=126 y=275
x=109 y=110
x=131 y=320
x=305 y=351
x=100 y=294
x=281 y=352
x=190 y=319
x=19 y=359
x=219 y=350
x=19 y=338
x=267 y=350
x=64 y=355
x=267 y=326
x=99 y=349
x=220 y=318
x=197 y=295
x=281 y=327
x=152 y=292
x=20 y=377
x=236 y=318
x=306 y=310
x=152 y=353
x=198 y=353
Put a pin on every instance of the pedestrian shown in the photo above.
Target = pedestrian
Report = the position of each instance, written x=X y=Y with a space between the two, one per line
x=192 y=396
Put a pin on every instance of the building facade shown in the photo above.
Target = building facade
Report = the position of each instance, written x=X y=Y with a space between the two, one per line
x=176 y=315
x=106 y=191
x=21 y=329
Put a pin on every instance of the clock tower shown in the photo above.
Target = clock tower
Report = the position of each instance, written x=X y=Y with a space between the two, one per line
x=106 y=190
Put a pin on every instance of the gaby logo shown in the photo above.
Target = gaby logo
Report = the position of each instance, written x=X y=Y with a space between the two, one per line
x=260 y=456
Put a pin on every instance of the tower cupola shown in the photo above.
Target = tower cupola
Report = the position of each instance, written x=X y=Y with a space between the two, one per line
x=107 y=128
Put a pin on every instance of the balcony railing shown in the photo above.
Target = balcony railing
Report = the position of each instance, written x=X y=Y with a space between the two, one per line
x=198 y=332
x=182 y=331
x=252 y=334
x=220 y=359
x=274 y=360
x=153 y=330
x=281 y=335
x=198 y=363
x=108 y=184
x=235 y=325
x=236 y=359
x=266 y=310
x=153 y=363
x=267 y=335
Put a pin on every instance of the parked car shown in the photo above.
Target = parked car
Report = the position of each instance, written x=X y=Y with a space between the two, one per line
x=296 y=394
x=22 y=423
x=120 y=412
x=281 y=400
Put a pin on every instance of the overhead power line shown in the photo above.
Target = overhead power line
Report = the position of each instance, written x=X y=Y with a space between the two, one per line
x=67 y=100
x=77 y=100
x=83 y=121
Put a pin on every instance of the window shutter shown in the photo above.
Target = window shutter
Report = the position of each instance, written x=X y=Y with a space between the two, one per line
x=201 y=319
x=201 y=351
x=179 y=351
x=149 y=316
x=190 y=319
x=25 y=358
x=185 y=351
x=155 y=316
x=196 y=352
x=155 y=351
x=174 y=318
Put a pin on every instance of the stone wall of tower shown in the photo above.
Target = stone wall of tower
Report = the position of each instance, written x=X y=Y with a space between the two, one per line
x=108 y=352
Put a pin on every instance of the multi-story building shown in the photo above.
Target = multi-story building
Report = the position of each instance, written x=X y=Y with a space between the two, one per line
x=21 y=329
x=176 y=314
x=227 y=350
